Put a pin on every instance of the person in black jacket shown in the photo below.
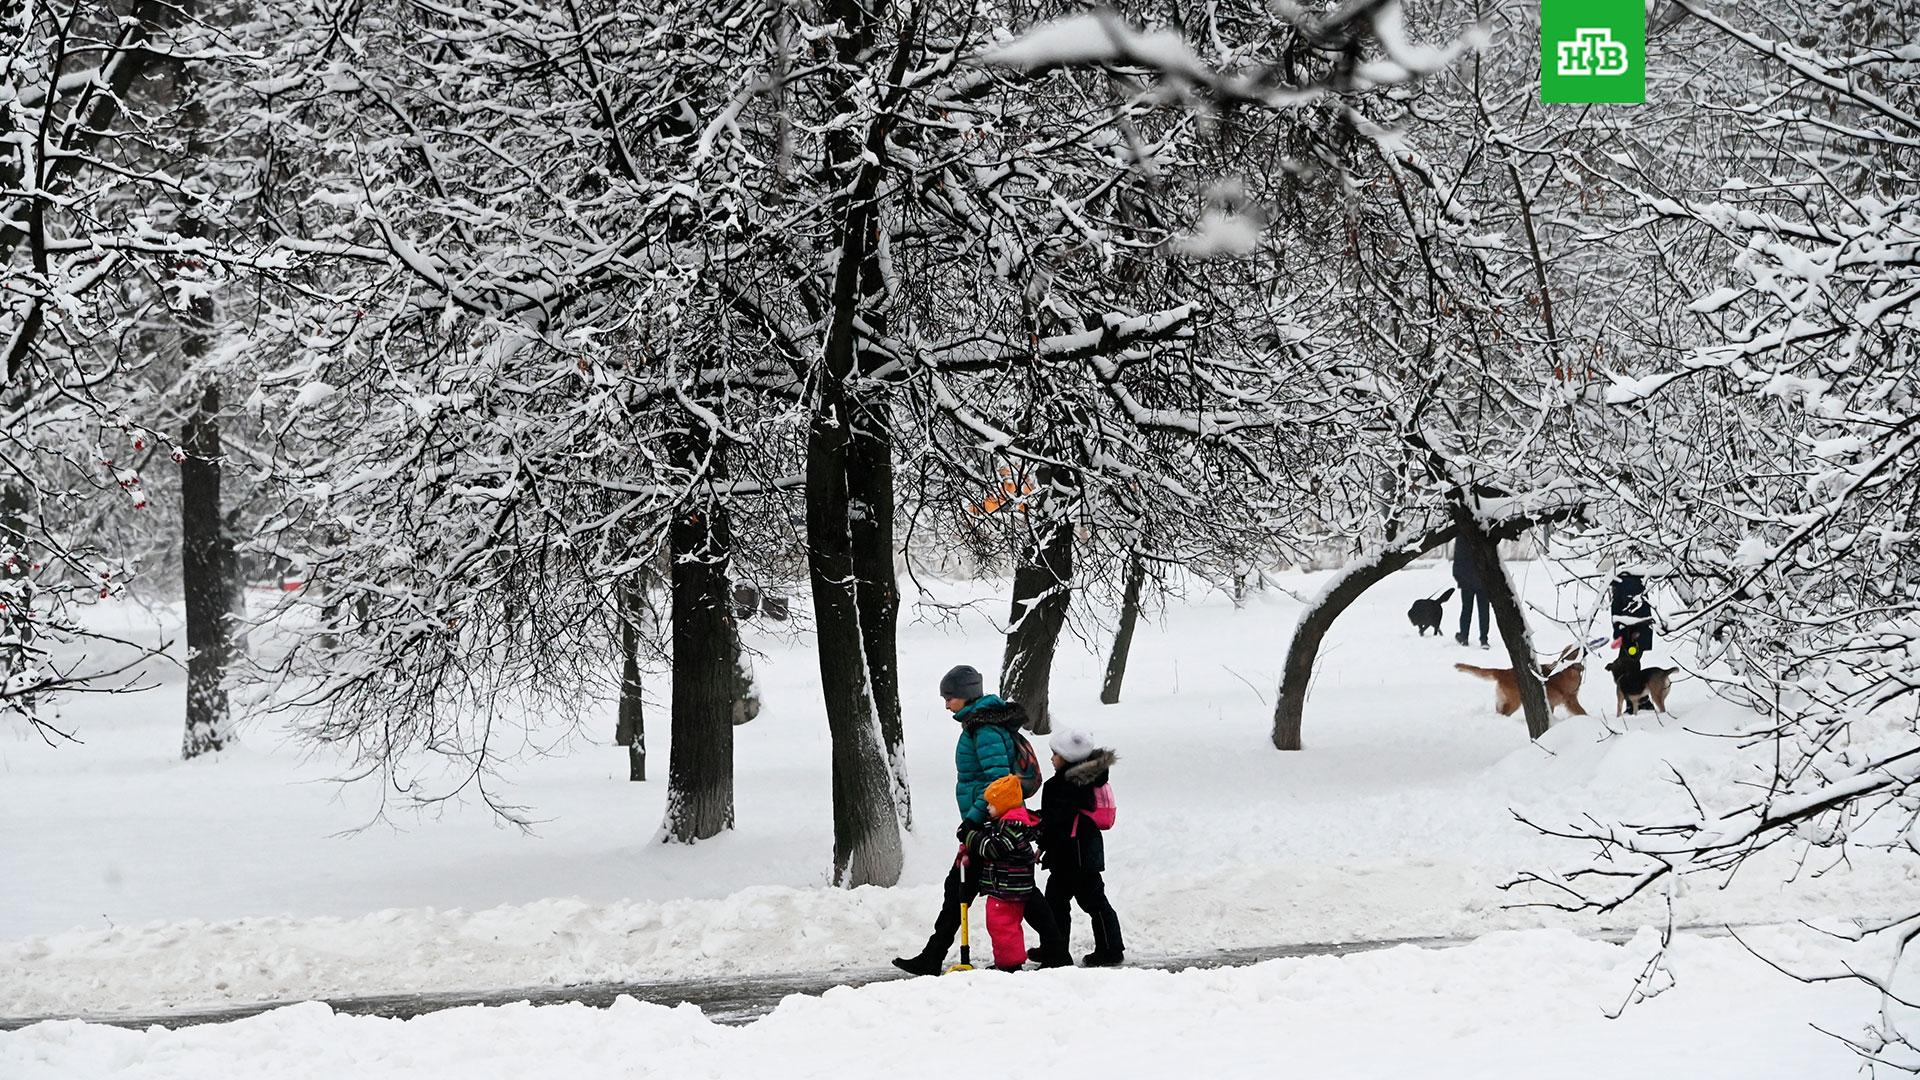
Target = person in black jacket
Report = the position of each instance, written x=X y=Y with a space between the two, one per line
x=1072 y=848
x=1473 y=592
x=1632 y=614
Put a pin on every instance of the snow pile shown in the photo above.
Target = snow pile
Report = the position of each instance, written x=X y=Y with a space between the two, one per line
x=1510 y=1005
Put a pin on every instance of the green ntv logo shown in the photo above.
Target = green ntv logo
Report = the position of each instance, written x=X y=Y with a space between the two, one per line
x=1593 y=51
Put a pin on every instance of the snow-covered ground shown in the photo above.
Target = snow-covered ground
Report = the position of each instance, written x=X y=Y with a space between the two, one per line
x=1513 y=1004
x=133 y=882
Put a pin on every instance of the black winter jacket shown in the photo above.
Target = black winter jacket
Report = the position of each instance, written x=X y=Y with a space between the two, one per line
x=1003 y=850
x=1062 y=798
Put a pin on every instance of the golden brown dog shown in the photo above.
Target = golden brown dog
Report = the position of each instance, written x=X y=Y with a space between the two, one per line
x=1563 y=687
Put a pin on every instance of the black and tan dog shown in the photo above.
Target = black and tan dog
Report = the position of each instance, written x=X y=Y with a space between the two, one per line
x=1636 y=687
x=1426 y=614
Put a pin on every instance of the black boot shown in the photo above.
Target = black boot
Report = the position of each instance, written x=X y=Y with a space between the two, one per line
x=1097 y=958
x=1045 y=959
x=921 y=964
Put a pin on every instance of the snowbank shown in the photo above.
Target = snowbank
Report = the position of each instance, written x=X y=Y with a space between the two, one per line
x=1520 y=1004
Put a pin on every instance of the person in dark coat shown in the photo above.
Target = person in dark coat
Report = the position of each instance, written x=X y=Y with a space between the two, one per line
x=984 y=752
x=1073 y=849
x=1632 y=614
x=1466 y=574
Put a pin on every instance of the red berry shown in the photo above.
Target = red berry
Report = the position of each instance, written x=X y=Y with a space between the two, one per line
x=139 y=444
x=103 y=594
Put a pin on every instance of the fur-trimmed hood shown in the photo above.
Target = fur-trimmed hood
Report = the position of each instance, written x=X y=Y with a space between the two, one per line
x=1087 y=773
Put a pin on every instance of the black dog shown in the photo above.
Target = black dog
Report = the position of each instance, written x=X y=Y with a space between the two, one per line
x=1425 y=615
x=1636 y=687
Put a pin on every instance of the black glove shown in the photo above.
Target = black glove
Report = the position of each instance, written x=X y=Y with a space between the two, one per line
x=965 y=832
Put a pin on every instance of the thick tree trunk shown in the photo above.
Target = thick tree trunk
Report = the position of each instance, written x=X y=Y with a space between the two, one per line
x=877 y=590
x=1042 y=589
x=866 y=826
x=631 y=729
x=1485 y=553
x=1123 y=637
x=866 y=819
x=700 y=754
x=206 y=568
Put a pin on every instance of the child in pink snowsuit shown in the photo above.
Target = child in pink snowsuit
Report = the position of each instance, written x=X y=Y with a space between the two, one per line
x=1004 y=850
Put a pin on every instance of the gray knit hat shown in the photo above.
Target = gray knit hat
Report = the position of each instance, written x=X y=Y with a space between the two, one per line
x=962 y=682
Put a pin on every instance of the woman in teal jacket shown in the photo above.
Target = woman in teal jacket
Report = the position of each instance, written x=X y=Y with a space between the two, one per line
x=985 y=750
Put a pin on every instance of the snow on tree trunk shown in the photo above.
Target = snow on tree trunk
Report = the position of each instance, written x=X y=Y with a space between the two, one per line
x=866 y=825
x=631 y=729
x=1042 y=589
x=877 y=591
x=700 y=754
x=205 y=565
x=1345 y=587
x=206 y=548
x=1123 y=637
x=866 y=817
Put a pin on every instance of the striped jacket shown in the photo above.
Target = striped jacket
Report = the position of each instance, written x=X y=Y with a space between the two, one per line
x=1003 y=848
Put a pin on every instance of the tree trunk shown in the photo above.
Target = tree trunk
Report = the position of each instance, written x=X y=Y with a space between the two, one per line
x=1340 y=593
x=1042 y=589
x=866 y=819
x=877 y=591
x=1485 y=553
x=1123 y=637
x=205 y=566
x=631 y=729
x=700 y=752
x=206 y=551
x=866 y=826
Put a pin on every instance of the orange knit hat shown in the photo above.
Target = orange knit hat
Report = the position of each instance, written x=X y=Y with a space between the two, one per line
x=1004 y=794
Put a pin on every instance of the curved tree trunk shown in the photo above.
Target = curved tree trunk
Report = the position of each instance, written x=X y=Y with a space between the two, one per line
x=1512 y=621
x=1042 y=589
x=1339 y=594
x=1346 y=587
x=877 y=590
x=1123 y=637
x=700 y=750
